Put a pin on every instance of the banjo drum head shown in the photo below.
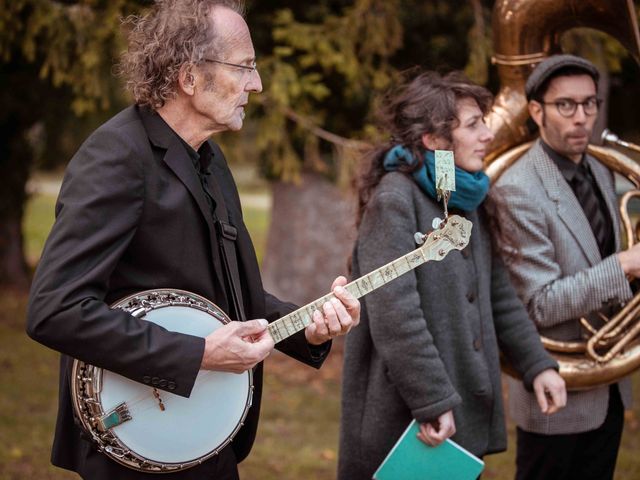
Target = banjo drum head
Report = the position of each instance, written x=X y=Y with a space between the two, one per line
x=187 y=429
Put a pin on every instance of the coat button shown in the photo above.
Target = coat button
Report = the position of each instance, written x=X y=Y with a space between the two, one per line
x=471 y=297
x=171 y=385
x=155 y=381
x=146 y=379
x=477 y=344
x=162 y=383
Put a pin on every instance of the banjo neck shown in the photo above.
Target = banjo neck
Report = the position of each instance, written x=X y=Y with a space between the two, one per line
x=453 y=234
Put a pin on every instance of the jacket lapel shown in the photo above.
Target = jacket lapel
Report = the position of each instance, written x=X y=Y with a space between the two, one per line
x=567 y=206
x=177 y=159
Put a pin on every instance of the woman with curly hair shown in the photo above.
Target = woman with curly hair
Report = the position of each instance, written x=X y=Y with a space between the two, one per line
x=428 y=344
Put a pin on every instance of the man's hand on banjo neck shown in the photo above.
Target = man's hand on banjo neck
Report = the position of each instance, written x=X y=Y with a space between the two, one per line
x=238 y=346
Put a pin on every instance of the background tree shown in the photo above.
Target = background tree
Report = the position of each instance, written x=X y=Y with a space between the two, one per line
x=323 y=67
x=55 y=59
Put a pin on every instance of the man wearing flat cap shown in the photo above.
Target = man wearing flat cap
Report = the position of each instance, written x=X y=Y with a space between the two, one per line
x=561 y=205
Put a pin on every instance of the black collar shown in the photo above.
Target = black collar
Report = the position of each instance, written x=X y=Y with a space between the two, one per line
x=567 y=167
x=202 y=158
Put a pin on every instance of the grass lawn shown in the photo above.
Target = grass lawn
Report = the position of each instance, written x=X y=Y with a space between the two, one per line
x=298 y=433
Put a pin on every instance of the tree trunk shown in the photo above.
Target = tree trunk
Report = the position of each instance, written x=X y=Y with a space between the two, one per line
x=310 y=238
x=13 y=268
x=18 y=115
x=15 y=158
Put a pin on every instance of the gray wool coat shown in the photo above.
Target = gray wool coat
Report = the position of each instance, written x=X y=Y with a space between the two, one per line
x=429 y=341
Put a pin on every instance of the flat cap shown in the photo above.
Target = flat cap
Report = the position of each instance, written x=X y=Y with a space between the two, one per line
x=551 y=65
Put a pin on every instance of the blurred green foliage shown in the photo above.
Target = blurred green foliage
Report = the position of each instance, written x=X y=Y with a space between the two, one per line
x=328 y=64
x=71 y=43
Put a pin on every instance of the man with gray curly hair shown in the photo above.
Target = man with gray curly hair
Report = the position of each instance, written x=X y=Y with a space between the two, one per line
x=148 y=202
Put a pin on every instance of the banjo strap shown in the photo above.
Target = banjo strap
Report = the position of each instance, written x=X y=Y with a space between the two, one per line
x=227 y=235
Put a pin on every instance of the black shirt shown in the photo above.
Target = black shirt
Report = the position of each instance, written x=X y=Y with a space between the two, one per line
x=201 y=160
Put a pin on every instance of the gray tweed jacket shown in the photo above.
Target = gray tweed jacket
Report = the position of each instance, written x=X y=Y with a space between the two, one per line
x=560 y=277
x=429 y=341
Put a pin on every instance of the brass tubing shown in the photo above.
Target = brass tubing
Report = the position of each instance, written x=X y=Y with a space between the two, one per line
x=580 y=372
x=610 y=137
x=617 y=348
x=618 y=162
x=625 y=218
x=627 y=311
x=620 y=321
x=622 y=318
x=563 y=347
x=499 y=165
x=608 y=338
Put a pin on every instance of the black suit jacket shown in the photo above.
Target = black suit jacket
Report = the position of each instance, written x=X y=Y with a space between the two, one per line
x=132 y=216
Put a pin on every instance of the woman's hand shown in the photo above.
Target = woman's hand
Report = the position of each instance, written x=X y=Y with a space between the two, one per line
x=436 y=432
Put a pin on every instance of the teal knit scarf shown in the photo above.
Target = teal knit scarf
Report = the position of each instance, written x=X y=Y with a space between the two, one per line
x=471 y=188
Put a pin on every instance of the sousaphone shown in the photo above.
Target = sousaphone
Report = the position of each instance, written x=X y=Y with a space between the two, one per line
x=525 y=32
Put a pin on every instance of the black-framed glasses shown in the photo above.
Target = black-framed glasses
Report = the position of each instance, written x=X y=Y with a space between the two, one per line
x=567 y=107
x=248 y=68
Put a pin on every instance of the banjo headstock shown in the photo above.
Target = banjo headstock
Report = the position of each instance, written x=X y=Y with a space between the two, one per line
x=453 y=233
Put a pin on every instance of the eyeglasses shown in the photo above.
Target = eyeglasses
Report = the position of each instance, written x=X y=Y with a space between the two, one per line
x=568 y=107
x=248 y=68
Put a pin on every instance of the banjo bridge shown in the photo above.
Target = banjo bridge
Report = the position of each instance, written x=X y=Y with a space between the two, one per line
x=113 y=418
x=156 y=394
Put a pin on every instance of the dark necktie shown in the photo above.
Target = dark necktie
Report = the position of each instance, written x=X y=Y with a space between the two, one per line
x=584 y=188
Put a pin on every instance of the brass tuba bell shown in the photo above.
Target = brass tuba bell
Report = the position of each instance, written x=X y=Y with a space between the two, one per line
x=524 y=33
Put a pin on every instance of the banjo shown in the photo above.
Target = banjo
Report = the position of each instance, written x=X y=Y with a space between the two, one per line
x=152 y=430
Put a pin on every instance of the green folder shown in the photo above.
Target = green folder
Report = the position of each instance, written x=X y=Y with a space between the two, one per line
x=410 y=459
